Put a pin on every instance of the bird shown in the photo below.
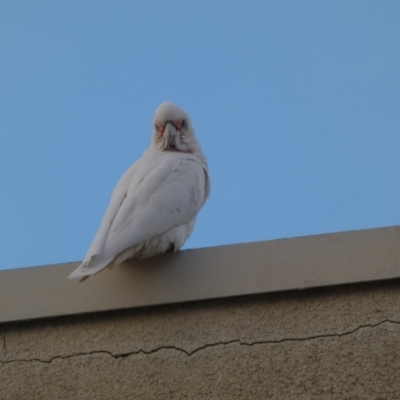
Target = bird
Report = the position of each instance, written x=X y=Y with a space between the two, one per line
x=154 y=206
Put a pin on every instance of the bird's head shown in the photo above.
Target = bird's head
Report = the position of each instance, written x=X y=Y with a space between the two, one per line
x=172 y=130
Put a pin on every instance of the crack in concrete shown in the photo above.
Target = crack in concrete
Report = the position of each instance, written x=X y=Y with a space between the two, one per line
x=190 y=353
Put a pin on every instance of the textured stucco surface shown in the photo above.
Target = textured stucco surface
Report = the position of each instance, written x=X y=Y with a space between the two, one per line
x=327 y=343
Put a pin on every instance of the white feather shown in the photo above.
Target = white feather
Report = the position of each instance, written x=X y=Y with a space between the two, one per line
x=155 y=203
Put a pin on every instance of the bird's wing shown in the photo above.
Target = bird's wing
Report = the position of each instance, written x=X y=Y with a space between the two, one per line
x=171 y=194
x=117 y=198
x=154 y=195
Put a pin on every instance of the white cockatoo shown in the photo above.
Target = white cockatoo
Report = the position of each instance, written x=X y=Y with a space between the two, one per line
x=153 y=209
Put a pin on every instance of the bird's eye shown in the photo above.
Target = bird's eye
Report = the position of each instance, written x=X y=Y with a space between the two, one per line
x=156 y=127
x=184 y=124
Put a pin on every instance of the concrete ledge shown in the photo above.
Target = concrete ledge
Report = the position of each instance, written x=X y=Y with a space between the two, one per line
x=207 y=273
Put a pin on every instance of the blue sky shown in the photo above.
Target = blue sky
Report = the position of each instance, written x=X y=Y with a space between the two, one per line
x=296 y=105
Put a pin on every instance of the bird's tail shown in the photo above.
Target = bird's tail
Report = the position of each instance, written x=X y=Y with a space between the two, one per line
x=92 y=267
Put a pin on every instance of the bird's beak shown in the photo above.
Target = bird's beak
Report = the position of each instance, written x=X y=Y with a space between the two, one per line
x=170 y=132
x=176 y=124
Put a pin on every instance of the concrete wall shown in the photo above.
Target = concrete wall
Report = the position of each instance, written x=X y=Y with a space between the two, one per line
x=338 y=342
x=218 y=323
